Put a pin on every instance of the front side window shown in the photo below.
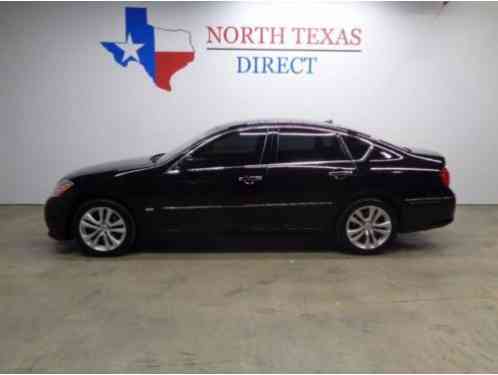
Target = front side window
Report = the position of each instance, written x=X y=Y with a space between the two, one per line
x=232 y=149
x=304 y=145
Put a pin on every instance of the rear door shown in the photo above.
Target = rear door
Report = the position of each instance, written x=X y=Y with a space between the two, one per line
x=310 y=174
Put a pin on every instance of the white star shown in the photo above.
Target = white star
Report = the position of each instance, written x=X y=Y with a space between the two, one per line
x=130 y=49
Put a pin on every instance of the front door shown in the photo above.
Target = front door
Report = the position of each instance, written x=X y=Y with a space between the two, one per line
x=218 y=186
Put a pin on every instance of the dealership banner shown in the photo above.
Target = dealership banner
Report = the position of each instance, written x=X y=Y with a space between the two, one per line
x=281 y=50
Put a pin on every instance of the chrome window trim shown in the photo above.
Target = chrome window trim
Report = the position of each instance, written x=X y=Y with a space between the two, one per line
x=288 y=123
x=305 y=126
x=399 y=156
x=270 y=130
x=395 y=149
x=221 y=168
x=274 y=127
x=132 y=171
x=312 y=164
x=267 y=135
x=300 y=164
x=249 y=205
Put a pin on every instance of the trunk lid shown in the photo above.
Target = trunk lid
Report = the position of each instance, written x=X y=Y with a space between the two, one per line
x=428 y=154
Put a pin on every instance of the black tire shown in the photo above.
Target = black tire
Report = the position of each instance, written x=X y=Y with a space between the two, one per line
x=363 y=204
x=126 y=240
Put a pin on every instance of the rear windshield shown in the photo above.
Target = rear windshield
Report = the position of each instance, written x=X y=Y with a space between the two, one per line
x=402 y=148
x=381 y=141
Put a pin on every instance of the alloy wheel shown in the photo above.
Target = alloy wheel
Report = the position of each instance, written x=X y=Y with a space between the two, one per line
x=102 y=229
x=368 y=227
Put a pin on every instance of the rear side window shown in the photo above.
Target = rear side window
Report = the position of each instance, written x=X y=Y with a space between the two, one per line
x=237 y=148
x=379 y=154
x=357 y=147
x=303 y=145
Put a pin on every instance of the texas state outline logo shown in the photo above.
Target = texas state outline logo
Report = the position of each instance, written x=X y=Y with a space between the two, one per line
x=161 y=52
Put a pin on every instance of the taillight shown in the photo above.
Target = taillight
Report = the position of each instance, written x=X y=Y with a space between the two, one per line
x=445 y=176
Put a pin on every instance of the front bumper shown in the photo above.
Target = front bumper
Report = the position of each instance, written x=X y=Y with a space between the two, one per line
x=58 y=218
x=424 y=213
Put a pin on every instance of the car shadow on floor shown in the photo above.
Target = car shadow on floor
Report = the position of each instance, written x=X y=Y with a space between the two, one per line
x=295 y=242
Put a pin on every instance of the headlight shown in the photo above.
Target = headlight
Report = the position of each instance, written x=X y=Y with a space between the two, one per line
x=61 y=187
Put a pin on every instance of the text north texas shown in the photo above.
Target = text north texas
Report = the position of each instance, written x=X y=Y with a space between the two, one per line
x=281 y=39
x=272 y=36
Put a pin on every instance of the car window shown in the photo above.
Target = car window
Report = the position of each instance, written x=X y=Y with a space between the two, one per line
x=379 y=154
x=357 y=147
x=304 y=145
x=232 y=149
x=190 y=142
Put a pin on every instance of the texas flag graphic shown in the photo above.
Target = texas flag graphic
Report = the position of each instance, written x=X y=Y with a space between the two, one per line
x=162 y=52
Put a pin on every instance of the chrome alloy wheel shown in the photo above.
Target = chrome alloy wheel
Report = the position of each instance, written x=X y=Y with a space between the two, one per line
x=368 y=227
x=102 y=229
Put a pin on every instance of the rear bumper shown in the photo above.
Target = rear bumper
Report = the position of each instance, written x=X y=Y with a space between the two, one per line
x=424 y=213
x=57 y=218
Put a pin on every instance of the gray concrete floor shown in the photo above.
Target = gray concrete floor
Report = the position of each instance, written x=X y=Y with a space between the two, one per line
x=251 y=303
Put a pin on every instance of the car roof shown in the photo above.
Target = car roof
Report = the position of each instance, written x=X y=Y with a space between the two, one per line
x=275 y=122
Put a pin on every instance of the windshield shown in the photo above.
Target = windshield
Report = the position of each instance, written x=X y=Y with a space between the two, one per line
x=185 y=145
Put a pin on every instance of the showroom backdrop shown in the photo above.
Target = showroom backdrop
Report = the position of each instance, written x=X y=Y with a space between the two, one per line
x=421 y=74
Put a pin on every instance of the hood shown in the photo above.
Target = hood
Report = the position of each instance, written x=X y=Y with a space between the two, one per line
x=119 y=166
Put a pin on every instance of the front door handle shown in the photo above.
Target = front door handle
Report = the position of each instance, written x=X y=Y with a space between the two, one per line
x=250 y=180
x=341 y=174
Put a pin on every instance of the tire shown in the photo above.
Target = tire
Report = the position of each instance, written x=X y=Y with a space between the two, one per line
x=367 y=226
x=104 y=228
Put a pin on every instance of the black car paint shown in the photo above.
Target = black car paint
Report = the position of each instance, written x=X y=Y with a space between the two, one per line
x=163 y=197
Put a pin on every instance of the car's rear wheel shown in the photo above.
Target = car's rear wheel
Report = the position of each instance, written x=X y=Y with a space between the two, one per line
x=367 y=226
x=104 y=227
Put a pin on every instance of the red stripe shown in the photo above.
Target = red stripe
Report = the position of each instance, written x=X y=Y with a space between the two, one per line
x=167 y=64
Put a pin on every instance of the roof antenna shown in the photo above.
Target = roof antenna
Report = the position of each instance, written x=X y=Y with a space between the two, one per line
x=330 y=121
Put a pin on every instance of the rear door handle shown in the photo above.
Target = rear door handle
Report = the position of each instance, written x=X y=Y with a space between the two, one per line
x=250 y=180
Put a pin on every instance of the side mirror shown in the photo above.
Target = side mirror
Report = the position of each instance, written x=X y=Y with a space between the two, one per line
x=187 y=163
x=180 y=166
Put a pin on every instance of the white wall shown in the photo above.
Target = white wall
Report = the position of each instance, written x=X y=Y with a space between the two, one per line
x=427 y=76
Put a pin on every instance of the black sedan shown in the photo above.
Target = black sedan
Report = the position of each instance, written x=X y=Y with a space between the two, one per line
x=261 y=175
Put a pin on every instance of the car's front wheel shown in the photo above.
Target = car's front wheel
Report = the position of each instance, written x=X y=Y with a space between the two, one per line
x=104 y=227
x=367 y=226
